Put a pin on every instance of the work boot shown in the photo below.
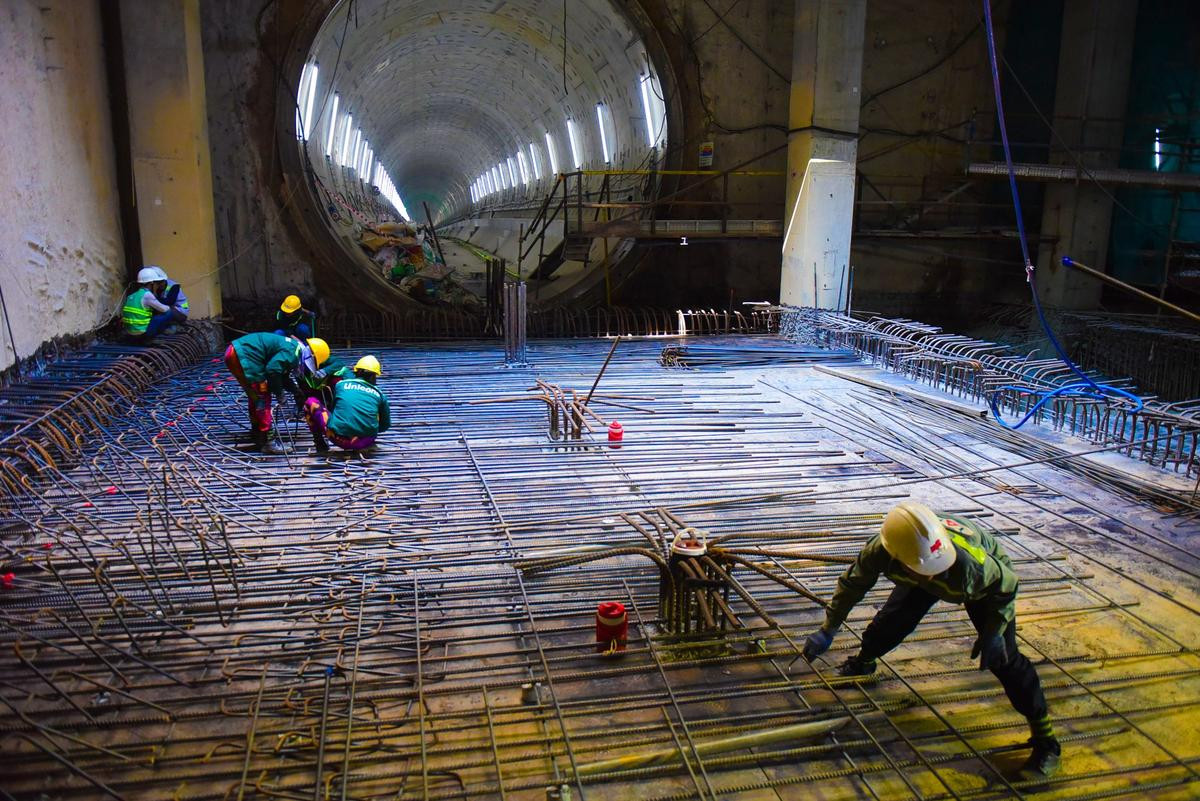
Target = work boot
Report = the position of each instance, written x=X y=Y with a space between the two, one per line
x=273 y=447
x=856 y=666
x=258 y=438
x=1044 y=761
x=320 y=444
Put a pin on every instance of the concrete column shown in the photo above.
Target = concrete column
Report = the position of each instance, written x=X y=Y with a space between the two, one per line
x=168 y=124
x=826 y=79
x=1089 y=111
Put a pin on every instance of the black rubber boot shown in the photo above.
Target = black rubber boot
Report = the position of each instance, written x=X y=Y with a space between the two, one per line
x=856 y=666
x=320 y=444
x=1044 y=761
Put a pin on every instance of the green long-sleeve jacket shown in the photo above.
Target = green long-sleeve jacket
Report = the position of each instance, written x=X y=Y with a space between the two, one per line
x=982 y=573
x=359 y=409
x=267 y=357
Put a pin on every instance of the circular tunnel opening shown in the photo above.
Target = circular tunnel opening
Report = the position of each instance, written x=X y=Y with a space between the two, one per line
x=439 y=135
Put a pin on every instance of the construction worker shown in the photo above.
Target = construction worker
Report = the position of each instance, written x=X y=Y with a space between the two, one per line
x=180 y=308
x=293 y=320
x=320 y=383
x=360 y=412
x=932 y=557
x=266 y=364
x=144 y=315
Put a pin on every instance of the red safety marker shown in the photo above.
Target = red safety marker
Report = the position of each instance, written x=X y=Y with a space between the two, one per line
x=208 y=388
x=111 y=490
x=612 y=627
x=7 y=580
x=615 y=434
x=47 y=546
x=87 y=503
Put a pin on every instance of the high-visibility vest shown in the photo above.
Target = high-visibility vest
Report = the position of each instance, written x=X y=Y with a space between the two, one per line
x=181 y=302
x=134 y=315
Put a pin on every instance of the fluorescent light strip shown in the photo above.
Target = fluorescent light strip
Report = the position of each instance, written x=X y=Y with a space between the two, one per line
x=535 y=162
x=345 y=149
x=603 y=133
x=573 y=137
x=332 y=127
x=552 y=154
x=308 y=103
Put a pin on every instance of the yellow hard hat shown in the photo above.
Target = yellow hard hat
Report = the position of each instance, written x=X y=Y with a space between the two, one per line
x=320 y=350
x=370 y=364
x=913 y=534
x=290 y=304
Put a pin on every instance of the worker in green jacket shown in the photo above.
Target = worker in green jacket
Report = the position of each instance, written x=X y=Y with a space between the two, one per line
x=932 y=557
x=265 y=365
x=359 y=413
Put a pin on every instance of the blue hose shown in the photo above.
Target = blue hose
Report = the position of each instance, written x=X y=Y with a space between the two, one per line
x=1086 y=387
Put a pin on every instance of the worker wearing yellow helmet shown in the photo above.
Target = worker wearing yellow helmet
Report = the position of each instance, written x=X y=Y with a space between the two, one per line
x=265 y=365
x=358 y=414
x=293 y=320
x=931 y=557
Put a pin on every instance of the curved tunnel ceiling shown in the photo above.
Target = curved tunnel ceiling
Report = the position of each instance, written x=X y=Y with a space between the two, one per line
x=447 y=89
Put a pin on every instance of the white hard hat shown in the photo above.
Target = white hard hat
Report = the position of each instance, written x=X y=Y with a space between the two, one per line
x=160 y=272
x=914 y=534
x=148 y=275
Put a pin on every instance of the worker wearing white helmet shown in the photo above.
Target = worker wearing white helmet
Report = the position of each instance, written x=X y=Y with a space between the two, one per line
x=171 y=289
x=932 y=557
x=144 y=314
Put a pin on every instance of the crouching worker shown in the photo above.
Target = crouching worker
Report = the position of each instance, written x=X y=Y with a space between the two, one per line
x=293 y=320
x=266 y=364
x=144 y=315
x=359 y=413
x=932 y=557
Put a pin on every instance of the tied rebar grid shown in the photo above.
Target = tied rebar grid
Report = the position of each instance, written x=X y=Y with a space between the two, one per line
x=1163 y=434
x=189 y=620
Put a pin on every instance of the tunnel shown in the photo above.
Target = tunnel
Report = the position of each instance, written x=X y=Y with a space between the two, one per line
x=478 y=119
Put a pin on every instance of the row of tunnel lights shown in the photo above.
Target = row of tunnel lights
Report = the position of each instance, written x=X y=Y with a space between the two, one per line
x=344 y=143
x=353 y=150
x=514 y=169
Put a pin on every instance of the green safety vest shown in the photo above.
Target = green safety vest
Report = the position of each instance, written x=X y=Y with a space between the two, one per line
x=134 y=315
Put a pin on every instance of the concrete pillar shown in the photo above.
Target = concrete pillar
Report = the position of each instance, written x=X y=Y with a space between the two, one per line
x=826 y=80
x=168 y=124
x=1089 y=111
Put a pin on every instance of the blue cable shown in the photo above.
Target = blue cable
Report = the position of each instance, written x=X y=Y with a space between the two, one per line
x=1086 y=387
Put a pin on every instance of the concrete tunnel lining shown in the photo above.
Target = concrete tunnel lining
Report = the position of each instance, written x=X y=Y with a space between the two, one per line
x=446 y=90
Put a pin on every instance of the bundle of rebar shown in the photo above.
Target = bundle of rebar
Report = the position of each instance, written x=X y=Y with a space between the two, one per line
x=763 y=355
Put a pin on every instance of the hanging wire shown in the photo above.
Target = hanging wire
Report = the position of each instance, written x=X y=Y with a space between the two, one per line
x=1086 y=387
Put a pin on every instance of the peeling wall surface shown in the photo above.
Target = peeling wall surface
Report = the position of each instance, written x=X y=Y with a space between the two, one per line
x=61 y=257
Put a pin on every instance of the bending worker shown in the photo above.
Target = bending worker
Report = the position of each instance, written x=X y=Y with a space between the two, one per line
x=360 y=411
x=932 y=557
x=266 y=364
x=293 y=320
x=144 y=315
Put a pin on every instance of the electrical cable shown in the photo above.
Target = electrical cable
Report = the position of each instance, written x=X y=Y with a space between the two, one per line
x=1086 y=387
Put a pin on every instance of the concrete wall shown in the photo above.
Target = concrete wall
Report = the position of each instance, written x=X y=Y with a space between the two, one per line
x=61 y=259
x=914 y=147
x=265 y=257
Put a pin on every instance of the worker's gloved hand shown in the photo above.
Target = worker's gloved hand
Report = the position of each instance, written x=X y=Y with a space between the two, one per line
x=817 y=643
x=990 y=650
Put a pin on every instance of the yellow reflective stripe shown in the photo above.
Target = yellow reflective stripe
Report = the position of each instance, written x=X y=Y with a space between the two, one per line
x=979 y=554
